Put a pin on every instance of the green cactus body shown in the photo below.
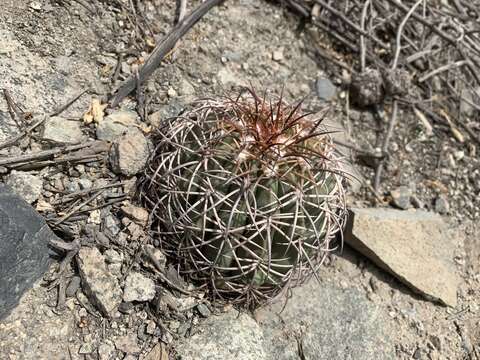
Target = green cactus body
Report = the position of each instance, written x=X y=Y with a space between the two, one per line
x=247 y=195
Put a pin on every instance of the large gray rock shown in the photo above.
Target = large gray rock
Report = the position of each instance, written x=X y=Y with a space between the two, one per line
x=328 y=322
x=414 y=246
x=24 y=252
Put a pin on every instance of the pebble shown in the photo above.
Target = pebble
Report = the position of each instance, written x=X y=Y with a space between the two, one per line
x=441 y=205
x=73 y=286
x=128 y=156
x=25 y=184
x=277 y=55
x=106 y=351
x=326 y=91
x=401 y=197
x=60 y=131
x=137 y=214
x=112 y=256
x=138 y=288
x=204 y=310
x=171 y=92
x=127 y=343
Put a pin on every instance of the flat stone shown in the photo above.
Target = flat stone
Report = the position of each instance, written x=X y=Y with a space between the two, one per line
x=24 y=252
x=414 y=246
x=231 y=336
x=99 y=284
x=116 y=124
x=325 y=89
x=138 y=288
x=128 y=156
x=25 y=184
x=331 y=322
x=60 y=131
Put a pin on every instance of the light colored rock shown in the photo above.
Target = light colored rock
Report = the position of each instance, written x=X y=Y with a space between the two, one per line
x=414 y=246
x=128 y=156
x=60 y=131
x=138 y=288
x=325 y=89
x=277 y=55
x=106 y=351
x=98 y=283
x=330 y=322
x=185 y=88
x=116 y=124
x=231 y=336
x=25 y=184
x=137 y=214
x=228 y=77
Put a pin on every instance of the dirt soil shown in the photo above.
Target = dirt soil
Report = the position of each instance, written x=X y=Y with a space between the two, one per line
x=51 y=50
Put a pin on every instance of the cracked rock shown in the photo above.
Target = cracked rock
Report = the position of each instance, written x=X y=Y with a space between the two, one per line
x=115 y=125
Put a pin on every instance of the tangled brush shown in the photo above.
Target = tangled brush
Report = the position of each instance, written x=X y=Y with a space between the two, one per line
x=246 y=194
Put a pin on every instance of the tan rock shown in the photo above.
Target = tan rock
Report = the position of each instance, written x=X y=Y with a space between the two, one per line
x=414 y=246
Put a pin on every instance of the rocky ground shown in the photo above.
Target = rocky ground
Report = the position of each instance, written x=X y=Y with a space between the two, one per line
x=122 y=300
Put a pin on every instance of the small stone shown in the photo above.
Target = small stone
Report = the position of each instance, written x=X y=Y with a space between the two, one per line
x=86 y=348
x=469 y=96
x=116 y=124
x=106 y=351
x=401 y=197
x=436 y=342
x=126 y=69
x=326 y=91
x=112 y=256
x=111 y=225
x=128 y=156
x=95 y=217
x=73 y=286
x=277 y=55
x=128 y=344
x=204 y=310
x=186 y=88
x=60 y=131
x=137 y=214
x=138 y=288
x=85 y=184
x=126 y=307
x=171 y=92
x=157 y=254
x=150 y=327
x=98 y=283
x=25 y=184
x=35 y=5
x=441 y=205
x=417 y=203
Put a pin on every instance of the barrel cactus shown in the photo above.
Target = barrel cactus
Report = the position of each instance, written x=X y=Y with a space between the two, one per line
x=246 y=193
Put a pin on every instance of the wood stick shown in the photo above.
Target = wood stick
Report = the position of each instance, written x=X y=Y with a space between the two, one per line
x=162 y=49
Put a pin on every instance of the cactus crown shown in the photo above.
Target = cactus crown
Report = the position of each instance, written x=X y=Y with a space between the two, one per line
x=246 y=194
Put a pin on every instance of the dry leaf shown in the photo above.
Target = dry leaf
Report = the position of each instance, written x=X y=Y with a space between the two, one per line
x=95 y=112
x=436 y=185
